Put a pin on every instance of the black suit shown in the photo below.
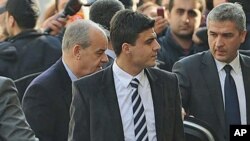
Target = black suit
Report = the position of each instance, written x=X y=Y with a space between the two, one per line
x=46 y=103
x=201 y=89
x=95 y=114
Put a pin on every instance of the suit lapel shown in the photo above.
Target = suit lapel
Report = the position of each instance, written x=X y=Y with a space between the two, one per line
x=157 y=96
x=245 y=66
x=210 y=73
x=110 y=96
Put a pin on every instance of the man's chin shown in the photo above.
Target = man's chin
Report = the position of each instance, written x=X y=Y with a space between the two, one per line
x=185 y=36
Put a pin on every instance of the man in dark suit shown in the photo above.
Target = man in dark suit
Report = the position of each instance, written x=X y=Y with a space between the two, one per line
x=47 y=99
x=203 y=78
x=13 y=124
x=128 y=100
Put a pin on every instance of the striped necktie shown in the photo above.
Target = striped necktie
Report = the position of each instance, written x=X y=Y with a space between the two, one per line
x=138 y=113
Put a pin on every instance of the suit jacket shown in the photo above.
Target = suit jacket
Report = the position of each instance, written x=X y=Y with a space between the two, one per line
x=201 y=90
x=95 y=114
x=46 y=103
x=13 y=125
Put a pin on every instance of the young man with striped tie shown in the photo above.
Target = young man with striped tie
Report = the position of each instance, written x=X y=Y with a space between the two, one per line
x=129 y=100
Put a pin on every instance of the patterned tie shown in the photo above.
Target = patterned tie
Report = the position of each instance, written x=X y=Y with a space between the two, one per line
x=232 y=109
x=139 y=115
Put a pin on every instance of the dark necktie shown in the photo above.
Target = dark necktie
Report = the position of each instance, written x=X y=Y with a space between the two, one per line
x=232 y=109
x=138 y=113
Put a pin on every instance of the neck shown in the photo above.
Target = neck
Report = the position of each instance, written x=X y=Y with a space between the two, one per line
x=185 y=43
x=128 y=67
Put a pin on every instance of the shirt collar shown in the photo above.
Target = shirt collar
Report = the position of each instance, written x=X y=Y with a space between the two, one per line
x=70 y=73
x=235 y=64
x=125 y=77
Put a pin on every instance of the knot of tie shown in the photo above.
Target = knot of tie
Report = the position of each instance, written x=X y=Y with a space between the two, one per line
x=134 y=83
x=227 y=69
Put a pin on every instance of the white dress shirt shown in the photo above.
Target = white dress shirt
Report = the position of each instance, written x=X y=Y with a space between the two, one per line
x=236 y=73
x=124 y=93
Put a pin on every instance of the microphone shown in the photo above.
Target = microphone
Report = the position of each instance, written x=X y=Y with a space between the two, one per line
x=71 y=8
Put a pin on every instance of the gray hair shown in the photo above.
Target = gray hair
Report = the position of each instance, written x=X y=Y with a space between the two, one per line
x=229 y=12
x=78 y=33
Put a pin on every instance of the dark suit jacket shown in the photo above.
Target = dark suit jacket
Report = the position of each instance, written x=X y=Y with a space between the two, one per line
x=95 y=114
x=201 y=90
x=46 y=103
x=13 y=125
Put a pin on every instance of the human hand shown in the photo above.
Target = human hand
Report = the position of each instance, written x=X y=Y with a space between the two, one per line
x=160 y=24
x=54 y=23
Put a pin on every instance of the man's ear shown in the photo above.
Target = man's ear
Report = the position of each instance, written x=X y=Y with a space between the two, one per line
x=11 y=20
x=76 y=52
x=126 y=48
x=243 y=35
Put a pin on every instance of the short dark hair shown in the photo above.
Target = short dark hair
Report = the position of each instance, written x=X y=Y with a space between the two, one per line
x=125 y=26
x=25 y=12
x=202 y=2
x=102 y=11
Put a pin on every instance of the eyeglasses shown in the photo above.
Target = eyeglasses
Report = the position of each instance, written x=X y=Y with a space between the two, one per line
x=2 y=9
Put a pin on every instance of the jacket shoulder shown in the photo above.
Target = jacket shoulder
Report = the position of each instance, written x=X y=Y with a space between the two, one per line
x=162 y=74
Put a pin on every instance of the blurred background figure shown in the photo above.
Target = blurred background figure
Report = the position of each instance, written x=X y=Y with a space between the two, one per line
x=158 y=2
x=158 y=13
x=246 y=7
x=25 y=51
x=184 y=16
x=50 y=19
x=3 y=32
x=218 y=2
x=102 y=12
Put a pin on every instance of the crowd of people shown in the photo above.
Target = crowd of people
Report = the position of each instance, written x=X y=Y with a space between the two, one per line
x=124 y=71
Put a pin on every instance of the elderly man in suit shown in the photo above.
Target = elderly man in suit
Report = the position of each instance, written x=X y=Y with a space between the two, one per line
x=46 y=102
x=128 y=100
x=13 y=125
x=215 y=84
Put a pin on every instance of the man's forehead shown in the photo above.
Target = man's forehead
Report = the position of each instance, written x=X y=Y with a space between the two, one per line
x=148 y=32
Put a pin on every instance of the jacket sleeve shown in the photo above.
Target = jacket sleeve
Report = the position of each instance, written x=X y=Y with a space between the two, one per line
x=13 y=125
